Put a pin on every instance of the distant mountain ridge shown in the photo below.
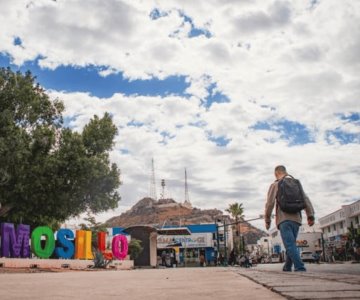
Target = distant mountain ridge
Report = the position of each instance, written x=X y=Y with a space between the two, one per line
x=148 y=211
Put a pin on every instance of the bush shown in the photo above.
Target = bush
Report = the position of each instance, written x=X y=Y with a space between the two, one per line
x=135 y=248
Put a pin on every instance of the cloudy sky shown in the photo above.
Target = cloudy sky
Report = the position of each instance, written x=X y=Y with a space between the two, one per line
x=226 y=89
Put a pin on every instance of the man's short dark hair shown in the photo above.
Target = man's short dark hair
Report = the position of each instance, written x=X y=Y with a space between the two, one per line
x=280 y=169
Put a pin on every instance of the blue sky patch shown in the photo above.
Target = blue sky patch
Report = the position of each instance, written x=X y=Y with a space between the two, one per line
x=134 y=123
x=166 y=136
x=199 y=124
x=157 y=14
x=342 y=137
x=220 y=141
x=295 y=133
x=87 y=79
x=68 y=120
x=214 y=96
x=17 y=41
x=352 y=117
x=194 y=32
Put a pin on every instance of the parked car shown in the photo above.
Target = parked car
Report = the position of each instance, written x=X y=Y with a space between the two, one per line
x=307 y=256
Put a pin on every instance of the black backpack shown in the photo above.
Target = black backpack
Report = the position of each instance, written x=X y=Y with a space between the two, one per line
x=290 y=196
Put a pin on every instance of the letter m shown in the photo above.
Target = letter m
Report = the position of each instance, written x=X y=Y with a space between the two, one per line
x=15 y=243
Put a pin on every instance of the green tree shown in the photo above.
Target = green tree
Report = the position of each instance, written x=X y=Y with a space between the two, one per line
x=93 y=226
x=48 y=172
x=353 y=243
x=135 y=248
x=236 y=210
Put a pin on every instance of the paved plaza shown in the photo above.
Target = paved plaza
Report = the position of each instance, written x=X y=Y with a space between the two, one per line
x=159 y=284
x=261 y=282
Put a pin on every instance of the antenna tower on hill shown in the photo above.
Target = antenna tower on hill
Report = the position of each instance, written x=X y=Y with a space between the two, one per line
x=162 y=196
x=152 y=192
x=187 y=202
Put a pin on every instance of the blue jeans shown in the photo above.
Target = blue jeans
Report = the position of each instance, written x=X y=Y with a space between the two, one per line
x=289 y=231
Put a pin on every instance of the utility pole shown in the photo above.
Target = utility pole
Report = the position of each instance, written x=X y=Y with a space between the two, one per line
x=225 y=250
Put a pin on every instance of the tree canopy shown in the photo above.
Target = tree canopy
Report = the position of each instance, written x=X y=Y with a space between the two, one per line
x=48 y=172
x=236 y=210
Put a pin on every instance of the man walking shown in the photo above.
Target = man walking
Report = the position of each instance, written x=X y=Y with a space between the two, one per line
x=288 y=220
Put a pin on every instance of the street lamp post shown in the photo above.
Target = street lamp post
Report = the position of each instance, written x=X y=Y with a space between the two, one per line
x=225 y=250
x=217 y=242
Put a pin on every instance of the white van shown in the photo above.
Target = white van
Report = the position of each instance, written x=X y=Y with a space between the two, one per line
x=307 y=256
x=275 y=258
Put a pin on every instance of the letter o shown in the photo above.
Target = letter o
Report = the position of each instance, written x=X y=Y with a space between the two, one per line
x=36 y=247
x=120 y=247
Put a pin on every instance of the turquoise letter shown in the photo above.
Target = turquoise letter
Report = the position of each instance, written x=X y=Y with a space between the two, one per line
x=66 y=247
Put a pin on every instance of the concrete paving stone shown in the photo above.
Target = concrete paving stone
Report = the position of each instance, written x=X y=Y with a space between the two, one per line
x=316 y=287
x=324 y=295
x=307 y=285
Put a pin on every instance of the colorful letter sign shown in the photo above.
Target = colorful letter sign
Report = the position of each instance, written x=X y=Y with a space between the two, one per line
x=15 y=244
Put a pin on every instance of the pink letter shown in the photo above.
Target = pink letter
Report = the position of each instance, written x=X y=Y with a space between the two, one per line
x=120 y=247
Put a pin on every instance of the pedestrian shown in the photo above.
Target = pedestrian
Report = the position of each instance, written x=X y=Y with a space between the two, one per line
x=242 y=261
x=280 y=192
x=221 y=259
x=202 y=260
x=231 y=261
x=316 y=257
x=163 y=258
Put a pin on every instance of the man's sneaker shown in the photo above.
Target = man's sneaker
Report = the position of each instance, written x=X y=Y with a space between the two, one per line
x=286 y=270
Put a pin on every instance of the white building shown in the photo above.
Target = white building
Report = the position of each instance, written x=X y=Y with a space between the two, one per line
x=335 y=225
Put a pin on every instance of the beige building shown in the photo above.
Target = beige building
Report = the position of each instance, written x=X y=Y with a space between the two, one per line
x=335 y=225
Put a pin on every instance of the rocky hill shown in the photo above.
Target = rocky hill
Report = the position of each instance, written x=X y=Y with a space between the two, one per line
x=148 y=211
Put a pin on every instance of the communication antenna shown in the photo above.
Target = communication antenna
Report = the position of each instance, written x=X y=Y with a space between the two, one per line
x=162 y=196
x=187 y=202
x=152 y=192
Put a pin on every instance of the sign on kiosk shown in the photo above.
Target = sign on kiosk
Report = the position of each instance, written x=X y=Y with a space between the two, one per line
x=15 y=243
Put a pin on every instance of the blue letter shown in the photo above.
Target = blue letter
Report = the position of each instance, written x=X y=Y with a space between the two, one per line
x=66 y=249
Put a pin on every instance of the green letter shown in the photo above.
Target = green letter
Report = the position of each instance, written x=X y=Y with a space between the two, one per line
x=36 y=246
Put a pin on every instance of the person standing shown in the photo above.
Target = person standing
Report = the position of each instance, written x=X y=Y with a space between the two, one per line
x=287 y=222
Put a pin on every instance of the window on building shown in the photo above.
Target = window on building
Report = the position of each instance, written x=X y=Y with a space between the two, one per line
x=357 y=219
x=329 y=229
x=341 y=225
x=334 y=227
